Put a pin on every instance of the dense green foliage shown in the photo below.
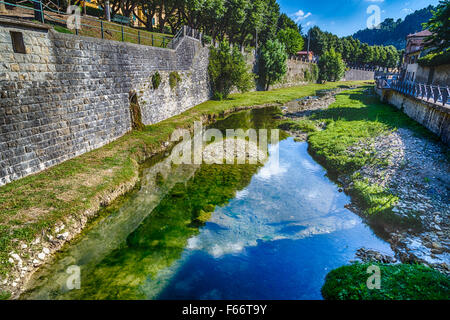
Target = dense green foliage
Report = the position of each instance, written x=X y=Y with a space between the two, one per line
x=331 y=66
x=439 y=25
x=272 y=63
x=156 y=80
x=292 y=40
x=284 y=22
x=398 y=282
x=227 y=70
x=435 y=59
x=393 y=32
x=353 y=51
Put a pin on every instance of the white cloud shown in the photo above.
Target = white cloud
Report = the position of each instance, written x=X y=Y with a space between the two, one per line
x=300 y=15
x=406 y=10
x=379 y=1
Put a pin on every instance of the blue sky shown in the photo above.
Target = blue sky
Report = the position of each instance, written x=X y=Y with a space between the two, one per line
x=345 y=17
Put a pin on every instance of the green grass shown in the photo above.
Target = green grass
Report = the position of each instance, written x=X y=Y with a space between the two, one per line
x=62 y=30
x=4 y=295
x=34 y=204
x=304 y=125
x=113 y=31
x=398 y=282
x=357 y=115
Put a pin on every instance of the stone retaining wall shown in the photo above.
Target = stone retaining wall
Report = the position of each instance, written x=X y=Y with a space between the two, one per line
x=69 y=94
x=357 y=75
x=434 y=118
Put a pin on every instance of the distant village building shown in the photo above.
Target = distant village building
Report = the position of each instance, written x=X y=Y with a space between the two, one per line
x=415 y=44
x=305 y=55
x=413 y=71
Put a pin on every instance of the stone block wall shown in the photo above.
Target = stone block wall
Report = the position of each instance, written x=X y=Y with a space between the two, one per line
x=434 y=118
x=68 y=94
x=358 y=75
x=295 y=74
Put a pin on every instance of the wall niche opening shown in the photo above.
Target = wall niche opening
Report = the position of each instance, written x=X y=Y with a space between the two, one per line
x=135 y=110
x=17 y=42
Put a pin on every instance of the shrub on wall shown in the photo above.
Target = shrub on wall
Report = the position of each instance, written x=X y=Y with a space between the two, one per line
x=156 y=80
x=227 y=69
x=206 y=39
x=174 y=79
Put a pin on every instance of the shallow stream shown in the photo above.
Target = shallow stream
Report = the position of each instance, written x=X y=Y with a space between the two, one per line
x=253 y=231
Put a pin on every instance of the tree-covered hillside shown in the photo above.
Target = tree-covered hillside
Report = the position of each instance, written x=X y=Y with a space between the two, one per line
x=393 y=32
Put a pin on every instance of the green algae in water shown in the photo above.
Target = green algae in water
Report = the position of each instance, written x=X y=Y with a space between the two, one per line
x=118 y=269
x=162 y=237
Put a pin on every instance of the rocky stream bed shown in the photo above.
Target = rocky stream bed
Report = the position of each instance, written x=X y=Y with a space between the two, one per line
x=418 y=173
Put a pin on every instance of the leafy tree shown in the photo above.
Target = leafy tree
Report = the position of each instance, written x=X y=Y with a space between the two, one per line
x=331 y=66
x=227 y=70
x=272 y=62
x=439 y=25
x=292 y=40
x=270 y=21
x=254 y=22
x=285 y=22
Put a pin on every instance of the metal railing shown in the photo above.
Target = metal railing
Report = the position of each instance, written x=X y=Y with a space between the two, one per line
x=437 y=95
x=94 y=27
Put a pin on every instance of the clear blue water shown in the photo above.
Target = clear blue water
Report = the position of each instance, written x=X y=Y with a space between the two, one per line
x=274 y=233
x=277 y=239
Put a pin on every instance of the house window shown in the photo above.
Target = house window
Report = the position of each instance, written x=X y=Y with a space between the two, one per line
x=17 y=42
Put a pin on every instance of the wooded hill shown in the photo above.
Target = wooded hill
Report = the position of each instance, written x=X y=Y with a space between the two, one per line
x=393 y=32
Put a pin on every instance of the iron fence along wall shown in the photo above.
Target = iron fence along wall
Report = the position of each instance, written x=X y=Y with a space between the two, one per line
x=431 y=93
x=123 y=33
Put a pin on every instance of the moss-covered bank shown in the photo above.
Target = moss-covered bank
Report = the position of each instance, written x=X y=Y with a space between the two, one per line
x=398 y=282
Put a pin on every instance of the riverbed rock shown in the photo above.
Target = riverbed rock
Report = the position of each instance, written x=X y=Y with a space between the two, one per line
x=368 y=255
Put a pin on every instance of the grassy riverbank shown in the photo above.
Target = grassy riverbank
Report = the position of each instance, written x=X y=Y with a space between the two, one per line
x=398 y=282
x=32 y=206
x=357 y=115
x=337 y=138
